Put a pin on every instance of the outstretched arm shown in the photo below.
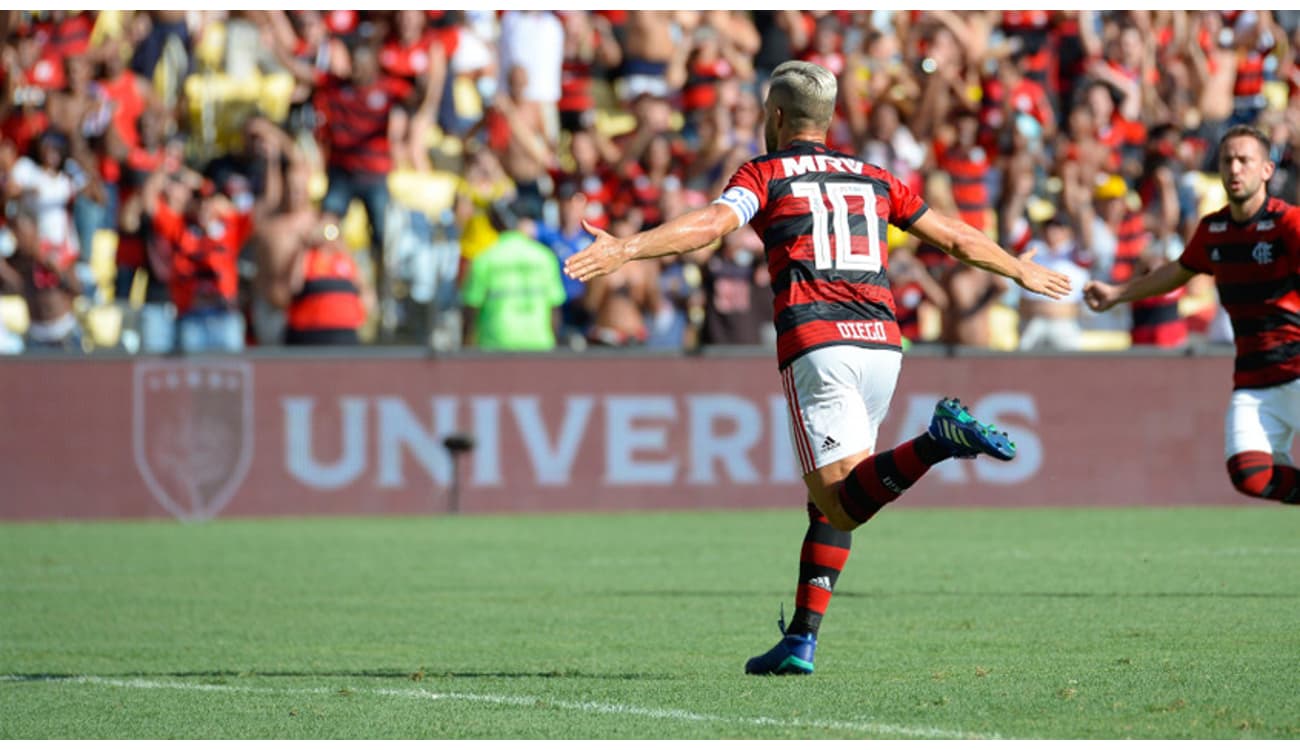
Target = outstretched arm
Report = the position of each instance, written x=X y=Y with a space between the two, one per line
x=690 y=231
x=974 y=248
x=1101 y=296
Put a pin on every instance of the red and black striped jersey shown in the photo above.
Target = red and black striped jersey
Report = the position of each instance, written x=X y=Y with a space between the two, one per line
x=1157 y=322
x=355 y=122
x=969 y=168
x=823 y=219
x=1254 y=264
x=1130 y=240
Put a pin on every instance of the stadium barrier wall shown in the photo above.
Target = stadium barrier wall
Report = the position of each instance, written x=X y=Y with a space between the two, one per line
x=270 y=436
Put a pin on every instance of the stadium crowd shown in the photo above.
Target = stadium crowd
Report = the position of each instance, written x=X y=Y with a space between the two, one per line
x=208 y=180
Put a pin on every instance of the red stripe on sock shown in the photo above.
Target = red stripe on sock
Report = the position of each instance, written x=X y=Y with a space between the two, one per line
x=812 y=598
x=824 y=555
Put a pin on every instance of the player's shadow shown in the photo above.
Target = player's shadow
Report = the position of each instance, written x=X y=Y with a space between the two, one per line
x=731 y=594
x=424 y=673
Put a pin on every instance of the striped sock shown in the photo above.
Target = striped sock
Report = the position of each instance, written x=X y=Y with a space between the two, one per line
x=825 y=550
x=881 y=477
x=1254 y=473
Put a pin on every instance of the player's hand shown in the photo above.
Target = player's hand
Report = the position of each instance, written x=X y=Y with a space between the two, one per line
x=605 y=255
x=1100 y=296
x=1042 y=280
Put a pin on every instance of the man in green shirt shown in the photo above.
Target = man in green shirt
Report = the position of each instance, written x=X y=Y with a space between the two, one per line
x=512 y=291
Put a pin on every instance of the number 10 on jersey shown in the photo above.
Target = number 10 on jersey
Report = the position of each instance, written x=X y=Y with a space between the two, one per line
x=843 y=257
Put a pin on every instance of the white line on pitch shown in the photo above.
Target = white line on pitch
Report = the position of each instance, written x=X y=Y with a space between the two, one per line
x=538 y=702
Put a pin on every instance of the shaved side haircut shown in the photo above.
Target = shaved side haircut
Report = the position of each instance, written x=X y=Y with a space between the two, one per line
x=805 y=92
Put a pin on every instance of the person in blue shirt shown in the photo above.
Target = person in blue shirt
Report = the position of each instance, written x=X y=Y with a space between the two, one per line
x=565 y=240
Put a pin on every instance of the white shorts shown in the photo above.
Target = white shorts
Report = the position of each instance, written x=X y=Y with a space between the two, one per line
x=838 y=397
x=1263 y=419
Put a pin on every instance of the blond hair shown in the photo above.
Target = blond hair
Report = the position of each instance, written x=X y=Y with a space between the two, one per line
x=805 y=92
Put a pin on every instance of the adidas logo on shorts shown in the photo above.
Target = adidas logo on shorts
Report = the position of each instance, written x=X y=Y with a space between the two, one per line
x=829 y=444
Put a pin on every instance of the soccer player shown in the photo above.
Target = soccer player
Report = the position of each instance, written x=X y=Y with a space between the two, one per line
x=1252 y=247
x=822 y=216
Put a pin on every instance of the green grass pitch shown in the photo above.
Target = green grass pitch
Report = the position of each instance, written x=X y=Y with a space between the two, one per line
x=1145 y=623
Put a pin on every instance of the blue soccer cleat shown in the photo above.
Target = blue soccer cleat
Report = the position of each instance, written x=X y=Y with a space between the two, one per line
x=793 y=654
x=967 y=437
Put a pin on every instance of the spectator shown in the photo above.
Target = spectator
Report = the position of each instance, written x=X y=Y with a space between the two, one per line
x=1156 y=321
x=47 y=186
x=45 y=279
x=281 y=236
x=303 y=45
x=201 y=233
x=515 y=129
x=483 y=184
x=152 y=328
x=733 y=279
x=364 y=119
x=566 y=238
x=534 y=40
x=513 y=290
x=414 y=54
x=1045 y=323
x=648 y=50
x=589 y=44
x=329 y=295
x=1023 y=108
x=622 y=302
x=915 y=292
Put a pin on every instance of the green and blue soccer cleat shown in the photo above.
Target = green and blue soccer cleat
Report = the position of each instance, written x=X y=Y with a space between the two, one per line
x=966 y=437
x=793 y=654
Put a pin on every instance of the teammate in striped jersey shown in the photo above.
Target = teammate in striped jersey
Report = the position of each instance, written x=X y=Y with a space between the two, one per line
x=1252 y=248
x=822 y=216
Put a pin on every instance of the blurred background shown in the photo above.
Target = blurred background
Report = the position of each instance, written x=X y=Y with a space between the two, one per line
x=202 y=181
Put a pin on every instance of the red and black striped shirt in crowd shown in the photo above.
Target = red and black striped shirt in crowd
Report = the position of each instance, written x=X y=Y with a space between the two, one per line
x=1033 y=28
x=356 y=122
x=823 y=217
x=1254 y=264
x=576 y=76
x=328 y=308
x=1248 y=87
x=1156 y=321
x=1130 y=241
x=968 y=168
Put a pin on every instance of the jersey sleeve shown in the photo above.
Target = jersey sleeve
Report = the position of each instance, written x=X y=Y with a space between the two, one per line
x=1195 y=257
x=746 y=192
x=905 y=206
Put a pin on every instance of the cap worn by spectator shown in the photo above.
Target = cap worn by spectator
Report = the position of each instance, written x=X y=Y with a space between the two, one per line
x=1113 y=186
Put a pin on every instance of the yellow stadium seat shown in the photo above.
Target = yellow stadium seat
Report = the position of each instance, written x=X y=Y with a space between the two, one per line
x=613 y=124
x=1209 y=190
x=1004 y=328
x=275 y=95
x=428 y=192
x=354 y=227
x=13 y=313
x=109 y=24
x=465 y=96
x=1104 y=341
x=103 y=260
x=210 y=51
x=103 y=324
x=1277 y=95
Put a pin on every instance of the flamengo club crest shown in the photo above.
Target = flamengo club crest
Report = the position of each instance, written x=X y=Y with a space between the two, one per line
x=193 y=433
